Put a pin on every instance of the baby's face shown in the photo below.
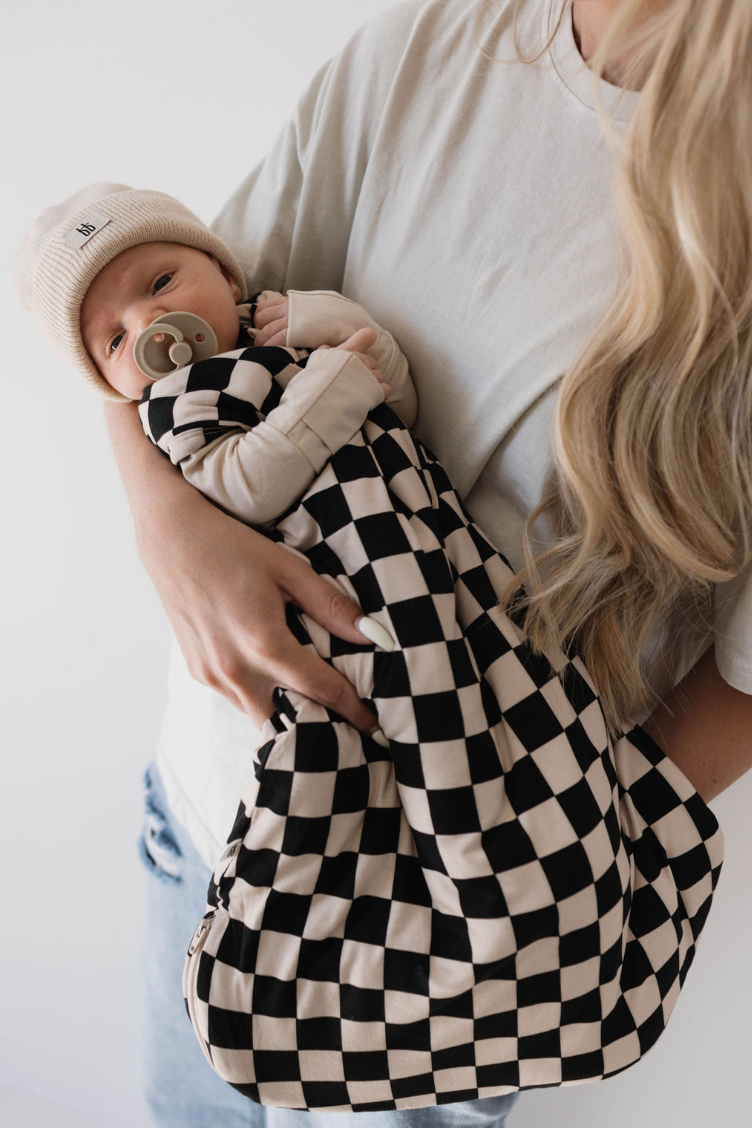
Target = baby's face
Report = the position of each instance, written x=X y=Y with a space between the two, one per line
x=145 y=283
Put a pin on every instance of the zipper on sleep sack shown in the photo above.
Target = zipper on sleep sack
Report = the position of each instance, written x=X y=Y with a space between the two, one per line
x=190 y=976
x=199 y=937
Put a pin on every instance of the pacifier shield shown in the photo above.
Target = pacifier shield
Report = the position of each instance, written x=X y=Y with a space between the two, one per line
x=185 y=338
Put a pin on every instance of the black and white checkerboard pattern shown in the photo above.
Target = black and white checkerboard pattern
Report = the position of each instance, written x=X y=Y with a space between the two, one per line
x=503 y=900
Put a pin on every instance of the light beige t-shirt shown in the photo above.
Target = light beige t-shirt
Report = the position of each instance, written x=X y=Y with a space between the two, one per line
x=466 y=204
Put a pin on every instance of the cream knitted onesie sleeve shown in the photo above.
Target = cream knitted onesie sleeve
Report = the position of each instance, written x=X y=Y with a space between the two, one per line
x=256 y=467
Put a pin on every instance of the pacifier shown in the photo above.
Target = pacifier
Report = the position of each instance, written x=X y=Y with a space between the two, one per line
x=185 y=337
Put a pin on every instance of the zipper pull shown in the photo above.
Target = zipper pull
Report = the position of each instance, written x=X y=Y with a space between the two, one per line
x=202 y=929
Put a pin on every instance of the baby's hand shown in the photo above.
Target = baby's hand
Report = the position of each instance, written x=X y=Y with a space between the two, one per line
x=271 y=319
x=358 y=344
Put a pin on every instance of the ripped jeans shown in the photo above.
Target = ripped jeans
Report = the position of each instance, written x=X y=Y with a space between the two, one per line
x=181 y=1088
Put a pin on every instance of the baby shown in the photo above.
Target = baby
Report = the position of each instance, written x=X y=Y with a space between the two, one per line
x=465 y=907
x=109 y=261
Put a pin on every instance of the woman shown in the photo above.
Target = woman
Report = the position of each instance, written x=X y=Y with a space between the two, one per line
x=467 y=203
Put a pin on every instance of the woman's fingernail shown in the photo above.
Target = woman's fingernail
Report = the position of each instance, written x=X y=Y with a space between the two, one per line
x=375 y=632
x=378 y=737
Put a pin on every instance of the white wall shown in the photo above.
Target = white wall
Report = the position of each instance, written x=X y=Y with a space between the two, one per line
x=104 y=90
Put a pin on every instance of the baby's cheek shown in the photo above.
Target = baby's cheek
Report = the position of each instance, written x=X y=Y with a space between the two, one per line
x=227 y=334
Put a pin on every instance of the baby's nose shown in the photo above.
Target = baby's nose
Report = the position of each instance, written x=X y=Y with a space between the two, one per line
x=149 y=315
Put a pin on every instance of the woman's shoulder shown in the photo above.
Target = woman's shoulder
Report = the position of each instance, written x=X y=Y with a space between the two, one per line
x=414 y=27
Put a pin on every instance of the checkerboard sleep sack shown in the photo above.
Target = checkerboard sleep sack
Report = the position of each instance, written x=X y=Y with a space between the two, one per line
x=503 y=900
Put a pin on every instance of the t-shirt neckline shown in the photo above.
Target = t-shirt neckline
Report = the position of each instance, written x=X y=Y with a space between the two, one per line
x=574 y=72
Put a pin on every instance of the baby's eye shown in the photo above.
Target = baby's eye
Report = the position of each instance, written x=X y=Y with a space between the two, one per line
x=115 y=342
x=162 y=281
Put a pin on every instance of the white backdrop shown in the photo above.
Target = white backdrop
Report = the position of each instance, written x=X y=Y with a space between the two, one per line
x=104 y=90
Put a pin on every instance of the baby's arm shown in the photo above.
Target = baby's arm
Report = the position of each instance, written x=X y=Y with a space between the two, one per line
x=310 y=318
x=250 y=436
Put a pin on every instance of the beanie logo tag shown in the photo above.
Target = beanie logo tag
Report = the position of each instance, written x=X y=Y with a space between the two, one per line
x=86 y=229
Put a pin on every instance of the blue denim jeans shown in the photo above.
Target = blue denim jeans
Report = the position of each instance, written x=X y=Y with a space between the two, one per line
x=181 y=1089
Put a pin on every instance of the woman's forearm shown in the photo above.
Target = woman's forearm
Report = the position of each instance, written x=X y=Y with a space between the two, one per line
x=152 y=484
x=705 y=727
x=170 y=516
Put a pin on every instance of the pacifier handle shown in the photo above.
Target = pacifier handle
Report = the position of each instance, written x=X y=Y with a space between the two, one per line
x=185 y=337
x=180 y=352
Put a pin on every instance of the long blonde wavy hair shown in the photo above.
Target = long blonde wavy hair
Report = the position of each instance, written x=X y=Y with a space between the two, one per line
x=653 y=426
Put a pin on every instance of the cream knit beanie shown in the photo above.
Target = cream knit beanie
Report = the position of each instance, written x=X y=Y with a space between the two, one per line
x=68 y=245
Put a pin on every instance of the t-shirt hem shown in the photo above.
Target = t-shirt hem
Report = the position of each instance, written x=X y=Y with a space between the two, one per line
x=189 y=817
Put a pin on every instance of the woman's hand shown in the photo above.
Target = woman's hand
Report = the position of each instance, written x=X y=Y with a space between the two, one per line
x=271 y=319
x=225 y=588
x=227 y=609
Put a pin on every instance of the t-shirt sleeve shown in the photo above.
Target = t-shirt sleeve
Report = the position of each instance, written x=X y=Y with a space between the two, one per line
x=289 y=221
x=733 y=631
